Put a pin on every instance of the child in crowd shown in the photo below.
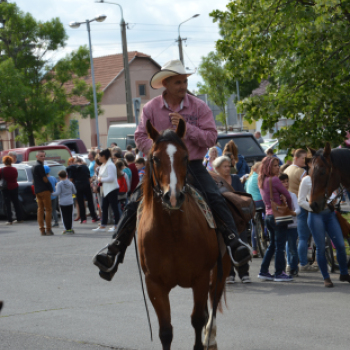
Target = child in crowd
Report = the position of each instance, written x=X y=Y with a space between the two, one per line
x=65 y=190
x=124 y=185
x=140 y=166
x=292 y=232
x=54 y=205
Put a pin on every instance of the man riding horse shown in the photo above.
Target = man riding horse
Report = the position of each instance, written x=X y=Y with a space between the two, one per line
x=164 y=112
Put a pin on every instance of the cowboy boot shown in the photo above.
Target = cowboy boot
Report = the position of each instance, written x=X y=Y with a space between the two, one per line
x=239 y=252
x=108 y=262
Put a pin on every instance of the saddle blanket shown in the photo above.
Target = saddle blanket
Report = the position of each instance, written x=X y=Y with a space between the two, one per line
x=202 y=205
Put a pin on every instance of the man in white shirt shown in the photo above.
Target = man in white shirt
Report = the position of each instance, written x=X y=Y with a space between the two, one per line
x=296 y=172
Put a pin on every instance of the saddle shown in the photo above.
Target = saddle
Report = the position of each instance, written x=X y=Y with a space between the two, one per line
x=241 y=204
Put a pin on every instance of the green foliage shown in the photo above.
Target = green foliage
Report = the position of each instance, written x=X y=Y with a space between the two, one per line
x=303 y=48
x=32 y=96
x=212 y=71
x=219 y=84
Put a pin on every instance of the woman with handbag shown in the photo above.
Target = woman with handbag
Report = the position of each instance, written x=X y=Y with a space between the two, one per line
x=326 y=220
x=278 y=216
x=8 y=177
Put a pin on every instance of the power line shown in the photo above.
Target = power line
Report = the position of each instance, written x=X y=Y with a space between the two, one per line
x=164 y=50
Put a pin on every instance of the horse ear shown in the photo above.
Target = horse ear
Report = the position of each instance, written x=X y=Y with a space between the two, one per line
x=327 y=150
x=151 y=131
x=310 y=152
x=181 y=129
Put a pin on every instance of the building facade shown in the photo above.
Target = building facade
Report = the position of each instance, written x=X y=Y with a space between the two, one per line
x=109 y=72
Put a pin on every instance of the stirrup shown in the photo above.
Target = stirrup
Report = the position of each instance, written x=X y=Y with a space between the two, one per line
x=102 y=267
x=245 y=260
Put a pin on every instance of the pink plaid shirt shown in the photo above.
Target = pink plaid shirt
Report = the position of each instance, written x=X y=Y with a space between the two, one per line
x=200 y=125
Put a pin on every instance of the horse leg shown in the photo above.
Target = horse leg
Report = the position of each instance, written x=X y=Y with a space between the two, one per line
x=199 y=313
x=217 y=288
x=159 y=296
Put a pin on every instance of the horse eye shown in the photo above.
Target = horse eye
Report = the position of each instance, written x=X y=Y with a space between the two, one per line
x=156 y=160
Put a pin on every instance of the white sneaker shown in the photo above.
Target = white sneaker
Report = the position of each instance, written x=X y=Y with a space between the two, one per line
x=230 y=280
x=308 y=268
x=99 y=229
x=112 y=229
x=246 y=279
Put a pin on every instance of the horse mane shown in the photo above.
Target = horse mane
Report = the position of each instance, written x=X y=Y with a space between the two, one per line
x=340 y=158
x=165 y=136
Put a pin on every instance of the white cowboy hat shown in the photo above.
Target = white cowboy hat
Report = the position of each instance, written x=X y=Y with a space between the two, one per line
x=169 y=69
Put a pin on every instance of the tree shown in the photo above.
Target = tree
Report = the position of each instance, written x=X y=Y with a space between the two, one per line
x=32 y=93
x=219 y=85
x=302 y=47
x=215 y=85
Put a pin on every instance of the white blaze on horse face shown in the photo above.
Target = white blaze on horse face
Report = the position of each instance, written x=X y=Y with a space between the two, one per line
x=171 y=150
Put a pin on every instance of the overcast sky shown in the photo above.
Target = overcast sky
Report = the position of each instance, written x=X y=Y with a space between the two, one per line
x=153 y=26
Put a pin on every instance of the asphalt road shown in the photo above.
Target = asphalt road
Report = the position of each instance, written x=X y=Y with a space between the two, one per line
x=54 y=299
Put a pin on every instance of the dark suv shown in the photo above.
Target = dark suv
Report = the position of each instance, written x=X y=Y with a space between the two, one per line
x=247 y=145
x=25 y=182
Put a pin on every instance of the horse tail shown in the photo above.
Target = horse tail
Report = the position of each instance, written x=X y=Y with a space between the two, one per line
x=217 y=285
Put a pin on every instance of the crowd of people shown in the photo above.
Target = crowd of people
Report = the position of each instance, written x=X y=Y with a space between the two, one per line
x=112 y=175
x=284 y=184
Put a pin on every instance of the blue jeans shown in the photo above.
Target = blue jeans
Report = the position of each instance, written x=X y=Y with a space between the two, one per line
x=319 y=224
x=258 y=205
x=303 y=234
x=278 y=238
x=291 y=247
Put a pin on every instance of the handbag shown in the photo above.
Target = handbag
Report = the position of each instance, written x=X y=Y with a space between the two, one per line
x=3 y=182
x=344 y=224
x=281 y=212
x=241 y=205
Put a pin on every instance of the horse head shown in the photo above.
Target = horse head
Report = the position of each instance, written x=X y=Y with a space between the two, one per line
x=167 y=166
x=324 y=179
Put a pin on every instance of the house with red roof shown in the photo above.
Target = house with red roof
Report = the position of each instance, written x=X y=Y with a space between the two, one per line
x=109 y=72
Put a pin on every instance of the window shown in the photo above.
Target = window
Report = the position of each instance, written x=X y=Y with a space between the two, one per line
x=74 y=129
x=247 y=146
x=22 y=175
x=142 y=90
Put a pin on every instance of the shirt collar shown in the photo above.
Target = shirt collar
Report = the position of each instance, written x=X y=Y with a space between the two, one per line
x=184 y=102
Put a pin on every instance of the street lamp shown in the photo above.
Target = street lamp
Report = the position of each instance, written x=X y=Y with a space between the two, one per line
x=181 y=40
x=128 y=96
x=99 y=18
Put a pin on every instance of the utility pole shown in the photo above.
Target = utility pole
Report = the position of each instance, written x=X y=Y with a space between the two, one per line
x=130 y=117
x=128 y=96
x=180 y=50
x=180 y=40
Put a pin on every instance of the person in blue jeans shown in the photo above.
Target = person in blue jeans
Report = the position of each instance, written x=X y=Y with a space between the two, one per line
x=319 y=224
x=278 y=234
x=292 y=232
x=251 y=187
x=54 y=199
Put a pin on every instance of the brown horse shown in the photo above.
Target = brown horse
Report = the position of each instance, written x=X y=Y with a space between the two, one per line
x=177 y=247
x=331 y=169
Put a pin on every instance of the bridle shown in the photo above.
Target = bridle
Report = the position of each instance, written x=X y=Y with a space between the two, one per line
x=155 y=182
x=326 y=197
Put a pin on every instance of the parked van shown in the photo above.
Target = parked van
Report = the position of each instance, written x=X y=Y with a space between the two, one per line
x=122 y=135
x=60 y=154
